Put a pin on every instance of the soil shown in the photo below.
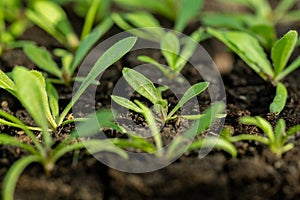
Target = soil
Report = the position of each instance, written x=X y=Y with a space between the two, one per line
x=256 y=173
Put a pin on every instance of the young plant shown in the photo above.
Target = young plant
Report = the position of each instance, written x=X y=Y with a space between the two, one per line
x=176 y=51
x=146 y=88
x=52 y=18
x=177 y=147
x=13 y=23
x=45 y=153
x=276 y=139
x=248 y=48
x=181 y=12
x=40 y=98
x=43 y=59
x=261 y=23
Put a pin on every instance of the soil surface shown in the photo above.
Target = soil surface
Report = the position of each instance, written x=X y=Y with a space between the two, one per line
x=256 y=173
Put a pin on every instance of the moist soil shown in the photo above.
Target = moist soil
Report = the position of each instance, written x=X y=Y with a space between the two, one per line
x=255 y=173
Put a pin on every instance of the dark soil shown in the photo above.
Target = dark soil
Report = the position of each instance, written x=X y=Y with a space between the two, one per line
x=255 y=174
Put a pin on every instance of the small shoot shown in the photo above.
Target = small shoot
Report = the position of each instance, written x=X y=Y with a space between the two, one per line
x=276 y=139
x=250 y=51
x=64 y=75
x=146 y=88
x=45 y=153
x=40 y=98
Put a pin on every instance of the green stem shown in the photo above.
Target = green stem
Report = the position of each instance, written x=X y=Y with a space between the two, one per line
x=250 y=137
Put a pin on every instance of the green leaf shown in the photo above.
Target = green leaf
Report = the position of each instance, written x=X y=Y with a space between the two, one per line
x=142 y=85
x=279 y=131
x=126 y=103
x=42 y=58
x=208 y=117
x=170 y=47
x=149 y=60
x=96 y=121
x=13 y=174
x=214 y=142
x=188 y=10
x=292 y=67
x=109 y=57
x=31 y=91
x=261 y=123
x=293 y=130
x=136 y=142
x=53 y=99
x=248 y=48
x=279 y=100
x=6 y=83
x=188 y=95
x=9 y=140
x=282 y=51
x=265 y=33
x=152 y=125
x=89 y=41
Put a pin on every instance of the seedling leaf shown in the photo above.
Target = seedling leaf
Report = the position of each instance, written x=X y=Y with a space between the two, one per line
x=279 y=100
x=13 y=174
x=142 y=85
x=6 y=83
x=42 y=58
x=126 y=103
x=53 y=99
x=188 y=10
x=109 y=57
x=188 y=95
x=282 y=51
x=170 y=47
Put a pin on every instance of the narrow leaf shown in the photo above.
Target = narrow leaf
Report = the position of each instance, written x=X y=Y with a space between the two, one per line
x=53 y=99
x=42 y=58
x=170 y=47
x=187 y=11
x=279 y=100
x=13 y=174
x=261 y=123
x=248 y=48
x=188 y=95
x=142 y=85
x=279 y=131
x=126 y=103
x=109 y=57
x=282 y=51
x=89 y=41
x=6 y=83
x=292 y=67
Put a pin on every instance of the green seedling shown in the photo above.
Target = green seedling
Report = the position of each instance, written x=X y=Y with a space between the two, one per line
x=178 y=146
x=261 y=24
x=276 y=139
x=40 y=98
x=52 y=18
x=45 y=153
x=146 y=88
x=252 y=53
x=64 y=75
x=282 y=13
x=176 y=51
x=181 y=12
x=13 y=23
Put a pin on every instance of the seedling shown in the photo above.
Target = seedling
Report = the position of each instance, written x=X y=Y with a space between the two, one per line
x=53 y=19
x=146 y=88
x=42 y=58
x=261 y=23
x=44 y=153
x=182 y=11
x=248 y=48
x=40 y=98
x=180 y=143
x=276 y=139
x=176 y=51
x=12 y=24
